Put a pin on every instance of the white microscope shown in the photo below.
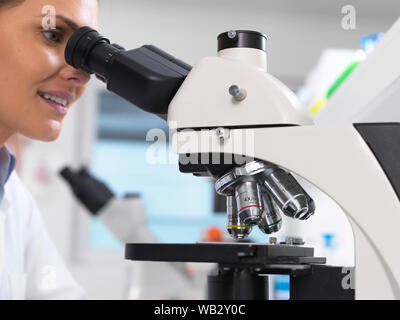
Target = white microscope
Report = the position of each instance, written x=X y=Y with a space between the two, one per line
x=237 y=123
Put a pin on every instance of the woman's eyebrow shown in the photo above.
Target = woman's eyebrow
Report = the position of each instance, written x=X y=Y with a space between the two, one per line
x=72 y=24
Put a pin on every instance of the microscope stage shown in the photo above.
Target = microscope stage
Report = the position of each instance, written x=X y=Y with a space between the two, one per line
x=282 y=259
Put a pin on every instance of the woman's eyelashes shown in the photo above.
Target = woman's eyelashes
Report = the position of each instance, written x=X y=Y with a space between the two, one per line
x=55 y=36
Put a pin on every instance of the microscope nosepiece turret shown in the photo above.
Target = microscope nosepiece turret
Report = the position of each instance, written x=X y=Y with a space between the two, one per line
x=256 y=194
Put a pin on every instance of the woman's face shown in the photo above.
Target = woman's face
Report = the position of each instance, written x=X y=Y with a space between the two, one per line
x=33 y=71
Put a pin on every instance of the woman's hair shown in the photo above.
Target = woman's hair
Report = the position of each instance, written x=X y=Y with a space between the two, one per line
x=10 y=3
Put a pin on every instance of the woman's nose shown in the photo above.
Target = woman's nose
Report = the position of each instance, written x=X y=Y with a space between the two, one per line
x=76 y=77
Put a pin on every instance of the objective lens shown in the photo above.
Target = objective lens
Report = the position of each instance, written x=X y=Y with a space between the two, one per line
x=288 y=194
x=271 y=219
x=311 y=208
x=248 y=201
x=236 y=228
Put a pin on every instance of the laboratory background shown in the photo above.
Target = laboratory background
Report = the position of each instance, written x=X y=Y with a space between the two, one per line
x=312 y=44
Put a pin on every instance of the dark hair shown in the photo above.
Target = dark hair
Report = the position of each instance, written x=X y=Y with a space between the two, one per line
x=10 y=3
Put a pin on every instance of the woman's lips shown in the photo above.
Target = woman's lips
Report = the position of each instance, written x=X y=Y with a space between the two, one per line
x=59 y=107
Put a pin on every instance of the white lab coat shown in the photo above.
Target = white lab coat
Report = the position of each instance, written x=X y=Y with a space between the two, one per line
x=30 y=266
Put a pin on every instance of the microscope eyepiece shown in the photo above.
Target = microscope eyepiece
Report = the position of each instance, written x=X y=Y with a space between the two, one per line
x=92 y=193
x=69 y=176
x=90 y=51
x=147 y=76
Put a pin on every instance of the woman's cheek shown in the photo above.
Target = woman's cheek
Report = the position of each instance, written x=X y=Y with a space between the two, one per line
x=47 y=64
x=55 y=59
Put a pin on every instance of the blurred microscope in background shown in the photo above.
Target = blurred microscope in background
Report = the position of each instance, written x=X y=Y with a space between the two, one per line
x=126 y=219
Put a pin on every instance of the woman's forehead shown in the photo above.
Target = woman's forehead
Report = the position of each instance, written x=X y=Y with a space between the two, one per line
x=81 y=12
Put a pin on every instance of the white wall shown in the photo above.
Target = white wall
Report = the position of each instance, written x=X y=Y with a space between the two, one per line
x=297 y=30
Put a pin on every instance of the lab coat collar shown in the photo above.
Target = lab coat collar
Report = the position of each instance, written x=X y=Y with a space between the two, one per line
x=6 y=201
x=11 y=163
